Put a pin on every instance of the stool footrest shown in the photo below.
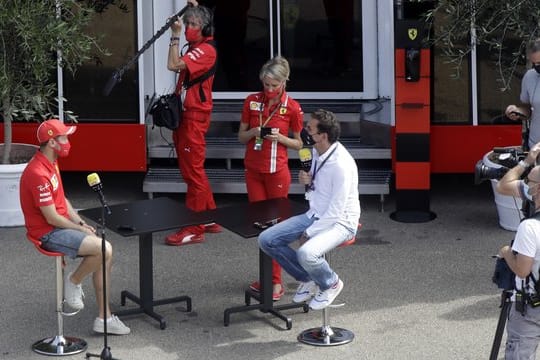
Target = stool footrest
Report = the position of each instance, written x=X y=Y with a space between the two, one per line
x=69 y=313
x=60 y=345
x=326 y=336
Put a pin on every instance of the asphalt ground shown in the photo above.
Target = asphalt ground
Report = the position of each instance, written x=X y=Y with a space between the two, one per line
x=412 y=290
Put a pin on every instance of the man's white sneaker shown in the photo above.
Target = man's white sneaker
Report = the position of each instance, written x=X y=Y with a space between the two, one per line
x=73 y=294
x=305 y=291
x=114 y=326
x=326 y=297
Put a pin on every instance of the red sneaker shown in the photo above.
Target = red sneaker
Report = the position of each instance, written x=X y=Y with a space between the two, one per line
x=255 y=286
x=213 y=228
x=276 y=295
x=185 y=236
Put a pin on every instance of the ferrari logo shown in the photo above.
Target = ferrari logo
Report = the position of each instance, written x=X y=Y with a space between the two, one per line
x=412 y=32
x=282 y=111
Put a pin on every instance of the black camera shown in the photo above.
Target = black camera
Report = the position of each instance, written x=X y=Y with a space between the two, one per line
x=507 y=158
x=483 y=172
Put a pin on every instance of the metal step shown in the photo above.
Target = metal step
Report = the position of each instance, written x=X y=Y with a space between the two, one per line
x=230 y=148
x=336 y=106
x=346 y=110
x=169 y=180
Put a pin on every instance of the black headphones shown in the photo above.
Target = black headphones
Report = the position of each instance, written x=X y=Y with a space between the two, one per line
x=208 y=29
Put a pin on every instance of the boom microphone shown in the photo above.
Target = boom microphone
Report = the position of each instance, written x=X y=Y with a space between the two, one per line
x=111 y=83
x=116 y=77
x=95 y=183
x=305 y=161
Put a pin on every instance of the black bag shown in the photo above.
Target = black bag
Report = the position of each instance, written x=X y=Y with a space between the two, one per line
x=166 y=111
x=503 y=276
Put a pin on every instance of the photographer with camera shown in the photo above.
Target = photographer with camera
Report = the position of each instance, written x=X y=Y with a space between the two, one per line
x=523 y=258
x=511 y=183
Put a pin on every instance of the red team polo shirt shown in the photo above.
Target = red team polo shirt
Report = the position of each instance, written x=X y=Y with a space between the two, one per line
x=41 y=185
x=273 y=156
x=199 y=59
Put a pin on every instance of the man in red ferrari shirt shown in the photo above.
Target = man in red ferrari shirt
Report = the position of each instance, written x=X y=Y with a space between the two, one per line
x=189 y=138
x=50 y=218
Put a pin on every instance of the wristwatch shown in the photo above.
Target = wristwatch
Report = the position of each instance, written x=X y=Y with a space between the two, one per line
x=523 y=164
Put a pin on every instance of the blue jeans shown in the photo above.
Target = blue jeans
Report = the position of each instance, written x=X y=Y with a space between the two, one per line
x=65 y=241
x=306 y=263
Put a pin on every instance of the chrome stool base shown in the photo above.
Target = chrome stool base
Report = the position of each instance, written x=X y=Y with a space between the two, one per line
x=59 y=346
x=326 y=336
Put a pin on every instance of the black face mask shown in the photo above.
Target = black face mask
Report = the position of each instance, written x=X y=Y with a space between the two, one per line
x=536 y=67
x=306 y=138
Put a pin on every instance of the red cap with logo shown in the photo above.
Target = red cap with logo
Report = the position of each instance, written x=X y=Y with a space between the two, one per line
x=52 y=128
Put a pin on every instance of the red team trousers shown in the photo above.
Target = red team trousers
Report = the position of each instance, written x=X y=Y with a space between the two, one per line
x=190 y=143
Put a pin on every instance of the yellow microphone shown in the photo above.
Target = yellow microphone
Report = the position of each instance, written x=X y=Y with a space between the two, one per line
x=95 y=183
x=305 y=162
x=305 y=159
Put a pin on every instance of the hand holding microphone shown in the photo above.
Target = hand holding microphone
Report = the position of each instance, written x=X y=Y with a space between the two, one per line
x=95 y=183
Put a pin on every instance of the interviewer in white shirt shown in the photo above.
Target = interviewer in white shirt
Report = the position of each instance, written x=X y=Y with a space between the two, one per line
x=332 y=218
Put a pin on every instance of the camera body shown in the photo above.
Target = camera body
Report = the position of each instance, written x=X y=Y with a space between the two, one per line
x=507 y=158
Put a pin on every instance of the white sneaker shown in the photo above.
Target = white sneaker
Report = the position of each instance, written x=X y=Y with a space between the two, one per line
x=326 y=297
x=73 y=294
x=305 y=291
x=114 y=326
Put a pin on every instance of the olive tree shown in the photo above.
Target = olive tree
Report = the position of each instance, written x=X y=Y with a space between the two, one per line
x=36 y=36
x=504 y=27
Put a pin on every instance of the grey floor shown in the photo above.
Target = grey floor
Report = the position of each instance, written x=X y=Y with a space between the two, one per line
x=412 y=291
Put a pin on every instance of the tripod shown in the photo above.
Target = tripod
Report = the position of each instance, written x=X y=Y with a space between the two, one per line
x=106 y=352
x=506 y=304
x=116 y=77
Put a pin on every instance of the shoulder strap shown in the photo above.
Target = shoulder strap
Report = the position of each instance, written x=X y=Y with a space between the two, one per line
x=536 y=216
x=189 y=83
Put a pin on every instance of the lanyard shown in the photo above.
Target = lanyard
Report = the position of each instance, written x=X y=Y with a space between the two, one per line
x=315 y=170
x=269 y=117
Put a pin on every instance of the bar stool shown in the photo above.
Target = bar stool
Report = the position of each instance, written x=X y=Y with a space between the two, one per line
x=59 y=344
x=327 y=335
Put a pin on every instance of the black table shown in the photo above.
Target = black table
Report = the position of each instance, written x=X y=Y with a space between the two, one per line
x=240 y=219
x=142 y=218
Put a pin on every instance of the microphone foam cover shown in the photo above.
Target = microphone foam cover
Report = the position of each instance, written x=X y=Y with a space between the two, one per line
x=93 y=179
x=304 y=154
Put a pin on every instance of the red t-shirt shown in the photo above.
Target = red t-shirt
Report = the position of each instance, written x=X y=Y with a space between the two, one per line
x=288 y=116
x=41 y=185
x=199 y=59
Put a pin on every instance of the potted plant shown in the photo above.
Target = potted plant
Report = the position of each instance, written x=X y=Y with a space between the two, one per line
x=35 y=37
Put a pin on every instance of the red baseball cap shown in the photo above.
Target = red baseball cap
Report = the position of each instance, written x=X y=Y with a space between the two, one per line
x=52 y=128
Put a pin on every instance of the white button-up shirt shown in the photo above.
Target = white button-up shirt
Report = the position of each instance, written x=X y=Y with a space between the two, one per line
x=334 y=199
